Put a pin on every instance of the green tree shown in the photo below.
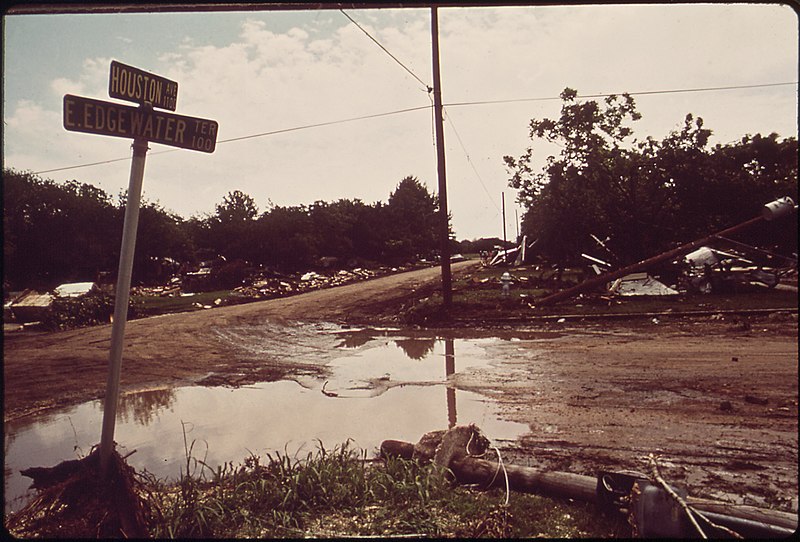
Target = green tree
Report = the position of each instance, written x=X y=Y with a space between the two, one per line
x=236 y=207
x=232 y=230
x=645 y=195
x=412 y=213
x=55 y=232
x=160 y=237
x=592 y=184
x=286 y=238
x=333 y=225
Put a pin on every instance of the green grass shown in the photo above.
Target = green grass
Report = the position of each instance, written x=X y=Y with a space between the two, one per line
x=339 y=493
x=148 y=305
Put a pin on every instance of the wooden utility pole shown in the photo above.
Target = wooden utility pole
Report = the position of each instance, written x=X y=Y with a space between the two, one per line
x=503 y=201
x=447 y=292
x=770 y=211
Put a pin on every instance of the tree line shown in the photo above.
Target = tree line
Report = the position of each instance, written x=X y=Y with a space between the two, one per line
x=643 y=196
x=646 y=196
x=60 y=232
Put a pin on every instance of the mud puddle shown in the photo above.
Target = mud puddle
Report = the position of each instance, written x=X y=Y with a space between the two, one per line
x=377 y=385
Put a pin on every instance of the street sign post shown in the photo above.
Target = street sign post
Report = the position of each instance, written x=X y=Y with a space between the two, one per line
x=143 y=124
x=112 y=119
x=141 y=87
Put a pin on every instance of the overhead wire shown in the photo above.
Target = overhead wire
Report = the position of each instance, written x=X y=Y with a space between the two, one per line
x=429 y=89
x=385 y=50
x=411 y=109
x=252 y=136
x=469 y=161
x=637 y=93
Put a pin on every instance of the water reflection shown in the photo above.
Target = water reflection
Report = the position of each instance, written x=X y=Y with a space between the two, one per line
x=449 y=369
x=143 y=406
x=382 y=395
x=354 y=340
x=416 y=348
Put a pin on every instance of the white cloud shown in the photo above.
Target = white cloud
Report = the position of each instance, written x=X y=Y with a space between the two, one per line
x=326 y=69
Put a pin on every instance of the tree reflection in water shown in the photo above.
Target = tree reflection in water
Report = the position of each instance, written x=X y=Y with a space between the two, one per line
x=416 y=348
x=354 y=340
x=143 y=406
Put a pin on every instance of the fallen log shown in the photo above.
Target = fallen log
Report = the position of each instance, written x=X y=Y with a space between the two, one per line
x=487 y=474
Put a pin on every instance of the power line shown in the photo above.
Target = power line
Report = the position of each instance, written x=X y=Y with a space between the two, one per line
x=639 y=93
x=251 y=136
x=411 y=109
x=423 y=83
x=469 y=160
x=318 y=125
x=81 y=165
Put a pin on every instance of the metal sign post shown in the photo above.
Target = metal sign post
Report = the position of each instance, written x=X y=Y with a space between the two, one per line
x=121 y=301
x=143 y=125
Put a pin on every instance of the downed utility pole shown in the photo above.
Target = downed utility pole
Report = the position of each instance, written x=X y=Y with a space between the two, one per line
x=566 y=485
x=771 y=211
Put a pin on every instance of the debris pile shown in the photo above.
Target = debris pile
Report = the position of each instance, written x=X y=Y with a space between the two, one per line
x=76 y=500
x=267 y=285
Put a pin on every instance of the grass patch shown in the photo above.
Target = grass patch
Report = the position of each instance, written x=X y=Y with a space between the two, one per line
x=339 y=493
x=149 y=305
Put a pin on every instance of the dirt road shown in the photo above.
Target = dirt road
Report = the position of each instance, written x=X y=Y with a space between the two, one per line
x=46 y=370
x=716 y=399
x=717 y=403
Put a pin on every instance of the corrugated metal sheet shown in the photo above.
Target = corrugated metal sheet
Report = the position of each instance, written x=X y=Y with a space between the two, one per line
x=30 y=306
x=75 y=289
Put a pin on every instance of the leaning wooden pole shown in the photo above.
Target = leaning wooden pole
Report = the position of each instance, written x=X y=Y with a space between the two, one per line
x=644 y=264
x=444 y=219
x=567 y=485
x=770 y=211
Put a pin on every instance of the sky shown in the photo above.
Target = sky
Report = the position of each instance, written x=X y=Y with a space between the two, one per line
x=268 y=77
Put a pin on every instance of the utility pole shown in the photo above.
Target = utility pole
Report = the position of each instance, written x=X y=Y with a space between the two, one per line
x=503 y=201
x=447 y=292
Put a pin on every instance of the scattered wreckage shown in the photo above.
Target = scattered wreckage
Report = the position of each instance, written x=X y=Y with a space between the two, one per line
x=697 y=266
x=30 y=306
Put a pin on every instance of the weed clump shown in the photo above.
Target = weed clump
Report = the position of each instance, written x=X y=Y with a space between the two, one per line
x=339 y=493
x=335 y=492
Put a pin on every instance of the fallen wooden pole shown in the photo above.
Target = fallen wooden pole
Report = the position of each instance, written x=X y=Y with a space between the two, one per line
x=470 y=470
x=644 y=264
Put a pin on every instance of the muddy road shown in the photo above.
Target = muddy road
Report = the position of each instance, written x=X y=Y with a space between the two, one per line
x=46 y=370
x=715 y=399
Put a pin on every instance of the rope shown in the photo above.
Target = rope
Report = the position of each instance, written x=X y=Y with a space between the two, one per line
x=471 y=435
x=731 y=532
x=657 y=477
x=505 y=473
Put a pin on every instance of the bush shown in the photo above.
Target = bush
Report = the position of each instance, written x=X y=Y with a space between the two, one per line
x=94 y=308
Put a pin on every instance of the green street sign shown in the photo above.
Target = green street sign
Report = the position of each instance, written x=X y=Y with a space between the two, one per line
x=107 y=118
x=138 y=86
